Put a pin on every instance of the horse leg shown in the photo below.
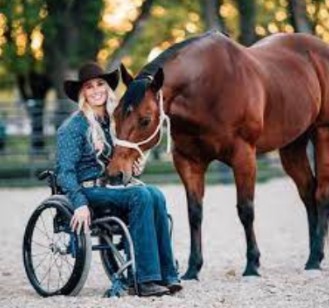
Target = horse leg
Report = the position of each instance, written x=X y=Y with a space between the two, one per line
x=296 y=164
x=321 y=143
x=192 y=174
x=244 y=168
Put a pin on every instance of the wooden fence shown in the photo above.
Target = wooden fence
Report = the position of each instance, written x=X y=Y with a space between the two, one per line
x=23 y=153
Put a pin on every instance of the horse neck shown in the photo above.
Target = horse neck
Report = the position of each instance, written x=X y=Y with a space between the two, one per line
x=181 y=117
x=177 y=87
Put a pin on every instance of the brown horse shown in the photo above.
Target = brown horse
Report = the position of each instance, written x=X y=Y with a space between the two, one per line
x=227 y=102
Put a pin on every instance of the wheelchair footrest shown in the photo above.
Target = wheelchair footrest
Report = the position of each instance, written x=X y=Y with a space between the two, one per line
x=119 y=288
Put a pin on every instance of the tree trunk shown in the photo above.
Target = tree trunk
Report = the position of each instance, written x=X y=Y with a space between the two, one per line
x=33 y=89
x=75 y=39
x=57 y=30
x=210 y=10
x=131 y=36
x=32 y=86
x=298 y=16
x=247 y=12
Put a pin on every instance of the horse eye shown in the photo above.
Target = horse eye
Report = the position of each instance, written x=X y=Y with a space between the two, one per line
x=143 y=122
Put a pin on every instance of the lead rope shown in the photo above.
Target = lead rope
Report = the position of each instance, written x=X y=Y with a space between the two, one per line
x=136 y=145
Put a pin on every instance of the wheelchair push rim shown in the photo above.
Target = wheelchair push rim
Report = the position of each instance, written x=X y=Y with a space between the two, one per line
x=56 y=260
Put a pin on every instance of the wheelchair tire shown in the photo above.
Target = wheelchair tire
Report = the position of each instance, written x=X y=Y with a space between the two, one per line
x=64 y=249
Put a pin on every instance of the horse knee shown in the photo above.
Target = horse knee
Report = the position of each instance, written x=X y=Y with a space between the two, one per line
x=195 y=213
x=246 y=212
x=322 y=198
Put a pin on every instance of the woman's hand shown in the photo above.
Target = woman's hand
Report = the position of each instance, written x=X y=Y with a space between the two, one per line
x=138 y=166
x=81 y=219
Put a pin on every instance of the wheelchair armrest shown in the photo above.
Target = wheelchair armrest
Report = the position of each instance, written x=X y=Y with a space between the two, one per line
x=44 y=174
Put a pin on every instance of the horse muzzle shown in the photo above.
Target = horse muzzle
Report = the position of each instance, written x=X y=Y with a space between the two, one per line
x=119 y=178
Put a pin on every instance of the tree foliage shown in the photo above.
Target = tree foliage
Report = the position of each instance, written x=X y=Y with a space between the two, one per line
x=43 y=36
x=72 y=31
x=42 y=41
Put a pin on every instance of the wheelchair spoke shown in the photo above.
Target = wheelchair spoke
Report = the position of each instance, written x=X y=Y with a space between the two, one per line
x=36 y=255
x=43 y=232
x=41 y=245
x=67 y=262
x=49 y=269
x=59 y=268
x=40 y=254
x=44 y=226
x=49 y=253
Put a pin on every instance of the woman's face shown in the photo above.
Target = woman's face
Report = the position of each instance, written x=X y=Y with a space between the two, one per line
x=95 y=92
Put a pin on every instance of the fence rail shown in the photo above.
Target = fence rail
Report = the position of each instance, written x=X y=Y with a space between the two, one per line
x=22 y=157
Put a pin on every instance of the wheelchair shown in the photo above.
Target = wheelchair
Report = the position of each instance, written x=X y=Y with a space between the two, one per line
x=57 y=260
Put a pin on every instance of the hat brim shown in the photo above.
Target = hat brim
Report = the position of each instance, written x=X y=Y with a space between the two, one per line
x=72 y=88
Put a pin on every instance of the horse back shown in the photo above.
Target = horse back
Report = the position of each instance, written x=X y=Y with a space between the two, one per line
x=295 y=67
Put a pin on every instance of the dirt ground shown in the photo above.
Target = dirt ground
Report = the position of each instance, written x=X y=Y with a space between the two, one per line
x=281 y=231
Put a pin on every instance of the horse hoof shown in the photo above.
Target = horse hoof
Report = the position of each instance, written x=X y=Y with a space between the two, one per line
x=312 y=265
x=251 y=271
x=190 y=275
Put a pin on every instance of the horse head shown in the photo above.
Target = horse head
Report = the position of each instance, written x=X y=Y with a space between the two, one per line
x=138 y=121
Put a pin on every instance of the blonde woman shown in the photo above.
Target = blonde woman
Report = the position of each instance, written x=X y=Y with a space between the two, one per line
x=84 y=148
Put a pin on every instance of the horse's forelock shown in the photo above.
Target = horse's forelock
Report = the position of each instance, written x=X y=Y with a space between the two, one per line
x=135 y=93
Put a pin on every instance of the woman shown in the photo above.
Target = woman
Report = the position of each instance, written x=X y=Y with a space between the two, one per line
x=84 y=148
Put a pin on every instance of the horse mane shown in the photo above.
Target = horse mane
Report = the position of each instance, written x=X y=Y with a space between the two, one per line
x=137 y=88
x=152 y=67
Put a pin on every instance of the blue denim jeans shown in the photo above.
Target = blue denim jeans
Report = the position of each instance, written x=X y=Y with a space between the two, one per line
x=146 y=209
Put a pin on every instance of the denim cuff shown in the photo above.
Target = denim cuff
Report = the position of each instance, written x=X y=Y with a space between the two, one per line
x=148 y=278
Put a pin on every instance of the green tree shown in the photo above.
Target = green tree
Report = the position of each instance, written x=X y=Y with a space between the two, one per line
x=298 y=16
x=131 y=36
x=70 y=36
x=247 y=20
x=212 y=18
x=168 y=22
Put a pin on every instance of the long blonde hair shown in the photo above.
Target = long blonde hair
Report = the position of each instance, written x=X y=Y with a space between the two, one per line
x=95 y=134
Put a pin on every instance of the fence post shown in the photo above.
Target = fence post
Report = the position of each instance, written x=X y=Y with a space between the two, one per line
x=3 y=132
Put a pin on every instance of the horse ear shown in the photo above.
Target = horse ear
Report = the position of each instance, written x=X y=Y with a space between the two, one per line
x=127 y=78
x=158 y=80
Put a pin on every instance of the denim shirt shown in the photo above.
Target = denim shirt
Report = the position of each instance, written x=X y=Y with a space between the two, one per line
x=76 y=157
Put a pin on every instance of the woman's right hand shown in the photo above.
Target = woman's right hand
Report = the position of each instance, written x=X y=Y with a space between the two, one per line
x=81 y=219
x=138 y=166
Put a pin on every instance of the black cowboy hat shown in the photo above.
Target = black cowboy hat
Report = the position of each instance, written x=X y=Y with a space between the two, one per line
x=89 y=71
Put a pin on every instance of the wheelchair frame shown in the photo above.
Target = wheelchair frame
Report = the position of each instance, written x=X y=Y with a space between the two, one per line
x=118 y=258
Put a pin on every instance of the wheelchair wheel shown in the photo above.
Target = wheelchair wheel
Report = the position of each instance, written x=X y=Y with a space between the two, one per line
x=109 y=262
x=56 y=260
